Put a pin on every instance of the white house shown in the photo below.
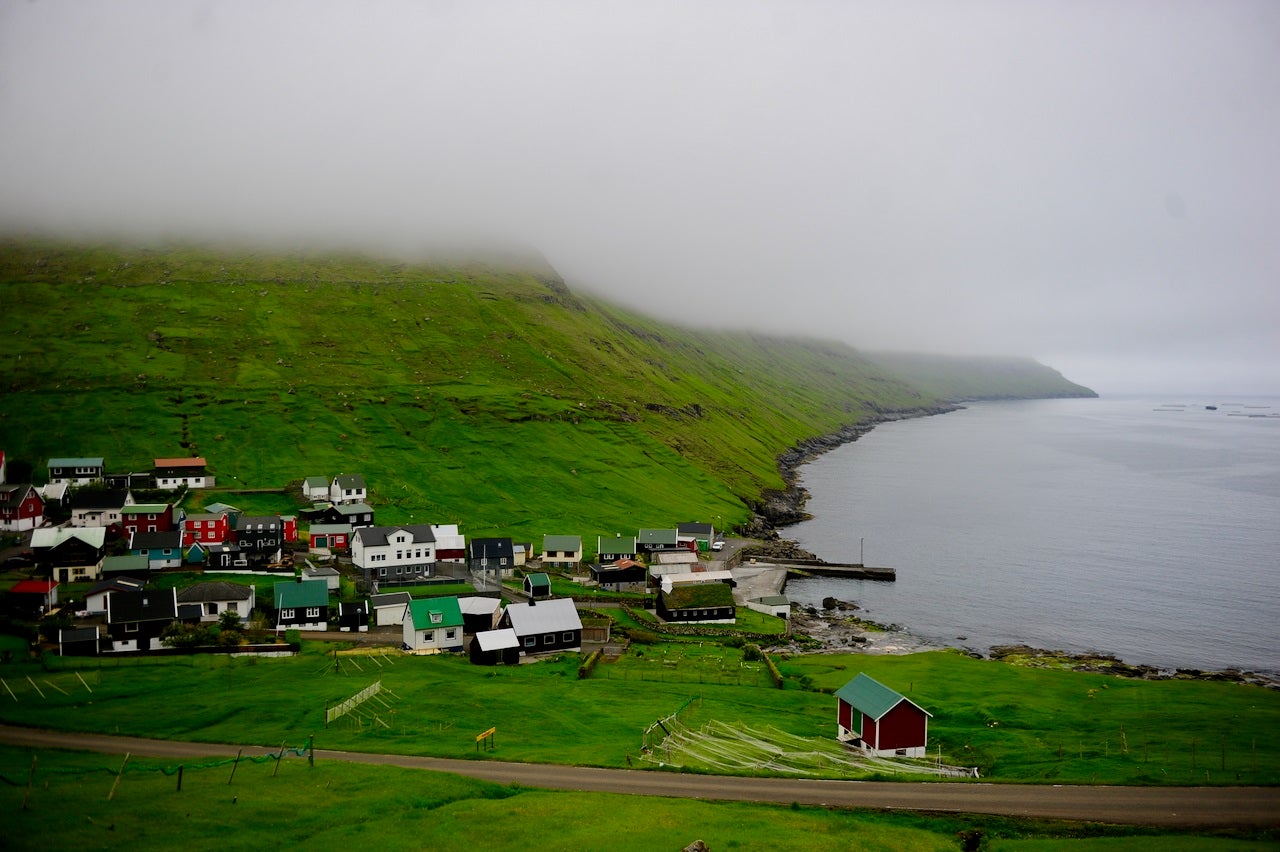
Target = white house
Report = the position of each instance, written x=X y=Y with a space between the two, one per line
x=348 y=488
x=174 y=473
x=75 y=471
x=316 y=488
x=389 y=608
x=394 y=555
x=216 y=598
x=432 y=625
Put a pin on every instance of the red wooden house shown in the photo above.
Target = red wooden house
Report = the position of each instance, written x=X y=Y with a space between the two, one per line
x=21 y=508
x=147 y=517
x=206 y=528
x=875 y=718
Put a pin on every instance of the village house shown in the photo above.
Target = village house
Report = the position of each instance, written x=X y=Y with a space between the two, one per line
x=609 y=550
x=315 y=489
x=491 y=647
x=650 y=541
x=708 y=603
x=433 y=625
x=71 y=555
x=222 y=557
x=21 y=508
x=93 y=507
x=451 y=545
x=75 y=471
x=206 y=528
x=490 y=555
x=147 y=517
x=162 y=549
x=79 y=641
x=33 y=597
x=479 y=613
x=393 y=555
x=353 y=616
x=260 y=538
x=126 y=565
x=696 y=536
x=562 y=551
x=537 y=586
x=177 y=473
x=95 y=600
x=348 y=488
x=352 y=514
x=329 y=537
x=544 y=627
x=879 y=720
x=625 y=575
x=217 y=597
x=135 y=620
x=301 y=604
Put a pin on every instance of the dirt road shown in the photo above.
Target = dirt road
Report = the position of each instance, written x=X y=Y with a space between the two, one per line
x=1174 y=807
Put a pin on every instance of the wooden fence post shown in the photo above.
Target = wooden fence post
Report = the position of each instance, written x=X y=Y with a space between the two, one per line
x=233 y=767
x=119 y=775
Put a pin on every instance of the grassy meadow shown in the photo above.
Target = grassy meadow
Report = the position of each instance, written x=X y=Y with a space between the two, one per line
x=1014 y=724
x=343 y=806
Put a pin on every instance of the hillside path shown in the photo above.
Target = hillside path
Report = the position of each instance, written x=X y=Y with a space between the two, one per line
x=1172 y=807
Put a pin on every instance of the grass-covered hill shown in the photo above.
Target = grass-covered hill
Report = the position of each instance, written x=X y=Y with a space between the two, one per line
x=488 y=396
x=960 y=379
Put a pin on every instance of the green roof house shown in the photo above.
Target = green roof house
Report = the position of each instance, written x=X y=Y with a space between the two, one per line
x=562 y=551
x=537 y=586
x=879 y=720
x=432 y=625
x=301 y=604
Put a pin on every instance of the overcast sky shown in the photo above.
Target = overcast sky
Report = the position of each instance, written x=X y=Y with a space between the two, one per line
x=1093 y=184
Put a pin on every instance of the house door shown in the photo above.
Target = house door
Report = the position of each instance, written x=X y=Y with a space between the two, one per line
x=322 y=541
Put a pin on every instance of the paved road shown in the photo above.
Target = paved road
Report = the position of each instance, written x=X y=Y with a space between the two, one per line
x=1176 y=807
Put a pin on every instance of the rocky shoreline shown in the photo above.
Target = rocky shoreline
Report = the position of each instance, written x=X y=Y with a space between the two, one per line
x=836 y=628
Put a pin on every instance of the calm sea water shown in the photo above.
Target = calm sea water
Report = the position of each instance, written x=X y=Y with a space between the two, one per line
x=1121 y=525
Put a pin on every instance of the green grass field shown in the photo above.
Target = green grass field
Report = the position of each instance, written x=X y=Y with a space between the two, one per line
x=1014 y=724
x=342 y=806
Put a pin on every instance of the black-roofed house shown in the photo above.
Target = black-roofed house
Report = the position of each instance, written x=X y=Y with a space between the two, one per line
x=877 y=719
x=162 y=549
x=348 y=488
x=260 y=539
x=544 y=626
x=216 y=597
x=223 y=557
x=393 y=556
x=135 y=620
x=490 y=555
x=95 y=600
x=97 y=507
x=79 y=641
x=703 y=603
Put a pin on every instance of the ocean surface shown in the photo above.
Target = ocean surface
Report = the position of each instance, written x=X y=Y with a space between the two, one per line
x=1147 y=528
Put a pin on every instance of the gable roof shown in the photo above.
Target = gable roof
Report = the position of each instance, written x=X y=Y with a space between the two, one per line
x=94 y=498
x=694 y=529
x=868 y=695
x=33 y=587
x=492 y=548
x=83 y=462
x=561 y=542
x=354 y=481
x=55 y=536
x=145 y=509
x=657 y=537
x=477 y=605
x=316 y=482
x=147 y=605
x=216 y=590
x=377 y=536
x=616 y=544
x=12 y=495
x=116 y=584
x=128 y=563
x=545 y=617
x=497 y=640
x=331 y=529
x=431 y=613
x=354 y=509
x=701 y=595
x=537 y=580
x=220 y=508
x=193 y=461
x=390 y=599
x=171 y=540
x=292 y=594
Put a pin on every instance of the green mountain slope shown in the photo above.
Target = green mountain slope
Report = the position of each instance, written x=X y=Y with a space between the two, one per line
x=960 y=379
x=491 y=397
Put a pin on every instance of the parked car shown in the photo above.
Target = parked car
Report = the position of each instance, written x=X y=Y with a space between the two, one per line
x=717 y=545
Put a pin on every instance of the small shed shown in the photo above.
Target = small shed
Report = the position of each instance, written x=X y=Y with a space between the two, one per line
x=78 y=642
x=775 y=605
x=332 y=578
x=353 y=616
x=479 y=613
x=491 y=647
x=537 y=586
x=389 y=608
x=879 y=720
x=35 y=596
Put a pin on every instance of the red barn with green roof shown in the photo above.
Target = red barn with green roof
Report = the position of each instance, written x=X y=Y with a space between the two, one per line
x=873 y=717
